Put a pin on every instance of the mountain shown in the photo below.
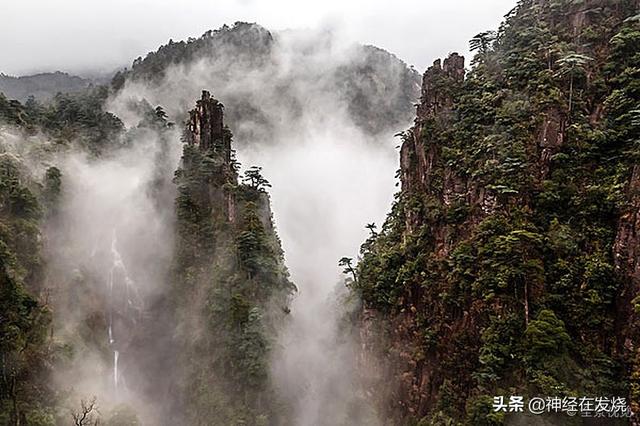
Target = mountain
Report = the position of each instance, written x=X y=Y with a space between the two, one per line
x=229 y=273
x=159 y=298
x=41 y=86
x=266 y=78
x=143 y=281
x=142 y=278
x=508 y=263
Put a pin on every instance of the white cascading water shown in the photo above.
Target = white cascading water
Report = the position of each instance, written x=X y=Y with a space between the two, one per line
x=116 y=354
x=127 y=311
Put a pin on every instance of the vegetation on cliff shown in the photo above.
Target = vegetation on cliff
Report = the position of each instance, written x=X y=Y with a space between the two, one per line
x=36 y=342
x=228 y=289
x=504 y=267
x=231 y=286
x=25 y=349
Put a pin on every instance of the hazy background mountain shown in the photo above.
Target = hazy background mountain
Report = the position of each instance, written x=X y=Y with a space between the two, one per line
x=257 y=74
x=42 y=86
x=317 y=112
x=40 y=36
x=177 y=292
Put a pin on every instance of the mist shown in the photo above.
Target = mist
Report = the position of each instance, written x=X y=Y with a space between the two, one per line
x=327 y=184
x=108 y=250
x=410 y=28
x=330 y=178
x=108 y=246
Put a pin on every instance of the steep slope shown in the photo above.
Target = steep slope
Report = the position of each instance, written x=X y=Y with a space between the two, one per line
x=231 y=288
x=92 y=304
x=508 y=264
x=67 y=307
x=25 y=391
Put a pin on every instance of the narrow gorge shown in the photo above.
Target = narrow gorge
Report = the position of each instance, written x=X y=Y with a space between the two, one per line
x=224 y=234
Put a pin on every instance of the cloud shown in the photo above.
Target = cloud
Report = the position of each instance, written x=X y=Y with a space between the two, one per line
x=330 y=178
x=107 y=247
x=81 y=35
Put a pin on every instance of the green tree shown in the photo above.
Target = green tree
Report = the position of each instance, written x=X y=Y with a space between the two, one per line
x=347 y=263
x=545 y=337
x=482 y=42
x=372 y=229
x=572 y=65
x=253 y=177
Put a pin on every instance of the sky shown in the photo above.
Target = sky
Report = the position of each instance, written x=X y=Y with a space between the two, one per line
x=97 y=36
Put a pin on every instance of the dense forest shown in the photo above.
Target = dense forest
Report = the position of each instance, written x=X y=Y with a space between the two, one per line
x=143 y=280
x=227 y=271
x=141 y=284
x=508 y=264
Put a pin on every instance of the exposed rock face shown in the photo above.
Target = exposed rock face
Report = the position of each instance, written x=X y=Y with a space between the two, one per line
x=626 y=254
x=550 y=139
x=205 y=129
x=627 y=245
x=229 y=278
x=417 y=377
x=495 y=172
x=435 y=84
x=416 y=160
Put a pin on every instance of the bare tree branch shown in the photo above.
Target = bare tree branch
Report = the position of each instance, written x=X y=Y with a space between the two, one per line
x=87 y=414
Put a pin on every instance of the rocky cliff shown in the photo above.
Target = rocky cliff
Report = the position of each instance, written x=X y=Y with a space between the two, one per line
x=231 y=288
x=508 y=264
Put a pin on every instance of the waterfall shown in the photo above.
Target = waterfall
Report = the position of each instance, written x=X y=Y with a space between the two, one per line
x=116 y=354
x=124 y=306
